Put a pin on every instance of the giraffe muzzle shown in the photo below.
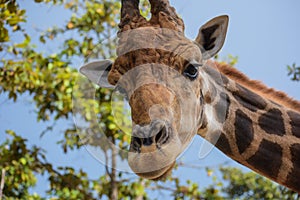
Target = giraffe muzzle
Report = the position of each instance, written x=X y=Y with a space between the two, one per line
x=153 y=149
x=151 y=137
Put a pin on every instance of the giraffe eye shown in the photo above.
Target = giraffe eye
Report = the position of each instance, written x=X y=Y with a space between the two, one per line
x=191 y=71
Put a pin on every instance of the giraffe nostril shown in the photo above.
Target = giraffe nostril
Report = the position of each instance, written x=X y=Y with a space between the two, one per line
x=157 y=133
x=162 y=136
x=136 y=144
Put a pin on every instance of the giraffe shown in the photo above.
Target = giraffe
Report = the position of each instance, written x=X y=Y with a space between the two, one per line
x=254 y=125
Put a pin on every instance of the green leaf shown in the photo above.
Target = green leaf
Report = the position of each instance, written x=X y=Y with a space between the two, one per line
x=10 y=132
x=23 y=161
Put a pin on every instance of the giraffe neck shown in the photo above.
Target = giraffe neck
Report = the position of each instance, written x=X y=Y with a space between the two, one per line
x=253 y=130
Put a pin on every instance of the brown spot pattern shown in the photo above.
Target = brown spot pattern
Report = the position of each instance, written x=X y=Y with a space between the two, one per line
x=272 y=122
x=295 y=123
x=225 y=79
x=223 y=144
x=243 y=131
x=211 y=94
x=249 y=99
x=222 y=107
x=267 y=159
x=293 y=179
x=258 y=87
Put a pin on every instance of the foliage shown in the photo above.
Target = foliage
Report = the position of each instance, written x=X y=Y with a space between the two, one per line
x=253 y=186
x=51 y=81
x=229 y=59
x=11 y=18
x=20 y=165
x=294 y=72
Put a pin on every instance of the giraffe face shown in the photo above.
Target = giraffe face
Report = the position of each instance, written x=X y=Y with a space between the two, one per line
x=162 y=85
x=157 y=68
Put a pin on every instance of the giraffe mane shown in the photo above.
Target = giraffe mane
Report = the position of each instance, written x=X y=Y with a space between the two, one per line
x=258 y=87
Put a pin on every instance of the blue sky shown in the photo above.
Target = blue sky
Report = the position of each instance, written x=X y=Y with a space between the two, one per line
x=263 y=34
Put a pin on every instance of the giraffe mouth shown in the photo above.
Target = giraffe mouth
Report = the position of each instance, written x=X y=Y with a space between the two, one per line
x=154 y=157
x=158 y=174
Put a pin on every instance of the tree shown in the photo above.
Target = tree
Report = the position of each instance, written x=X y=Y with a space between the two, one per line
x=294 y=72
x=50 y=80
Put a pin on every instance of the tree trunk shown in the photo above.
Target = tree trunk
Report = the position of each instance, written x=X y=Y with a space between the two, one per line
x=114 y=185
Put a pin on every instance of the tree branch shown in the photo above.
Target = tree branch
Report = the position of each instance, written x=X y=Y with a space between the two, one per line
x=2 y=183
x=161 y=187
x=106 y=164
x=114 y=186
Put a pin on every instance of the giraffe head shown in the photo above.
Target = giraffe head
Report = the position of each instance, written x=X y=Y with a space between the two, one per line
x=158 y=69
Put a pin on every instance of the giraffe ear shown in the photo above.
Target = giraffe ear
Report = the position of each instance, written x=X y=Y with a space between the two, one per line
x=212 y=35
x=97 y=72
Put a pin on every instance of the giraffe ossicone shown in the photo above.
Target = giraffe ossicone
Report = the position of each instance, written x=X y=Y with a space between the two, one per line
x=175 y=92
